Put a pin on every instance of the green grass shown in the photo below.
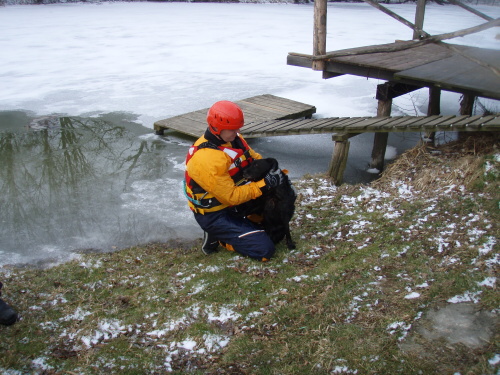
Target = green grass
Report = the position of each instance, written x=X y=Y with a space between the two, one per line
x=336 y=304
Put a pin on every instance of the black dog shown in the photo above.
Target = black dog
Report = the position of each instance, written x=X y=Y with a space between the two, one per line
x=276 y=204
x=7 y=314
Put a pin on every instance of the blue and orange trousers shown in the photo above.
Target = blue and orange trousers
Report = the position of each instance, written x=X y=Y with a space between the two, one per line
x=235 y=231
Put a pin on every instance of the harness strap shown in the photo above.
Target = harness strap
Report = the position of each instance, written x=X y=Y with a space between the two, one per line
x=208 y=144
x=201 y=203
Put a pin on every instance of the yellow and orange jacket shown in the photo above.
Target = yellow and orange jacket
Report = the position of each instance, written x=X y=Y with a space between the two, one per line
x=214 y=175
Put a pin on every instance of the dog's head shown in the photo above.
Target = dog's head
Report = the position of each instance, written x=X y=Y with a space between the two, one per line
x=258 y=169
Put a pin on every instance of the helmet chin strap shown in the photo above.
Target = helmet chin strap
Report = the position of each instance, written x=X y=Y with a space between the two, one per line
x=215 y=132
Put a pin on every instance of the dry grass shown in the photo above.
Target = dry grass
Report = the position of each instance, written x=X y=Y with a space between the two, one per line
x=455 y=163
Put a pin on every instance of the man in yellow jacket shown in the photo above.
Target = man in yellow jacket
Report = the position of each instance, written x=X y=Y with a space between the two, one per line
x=215 y=188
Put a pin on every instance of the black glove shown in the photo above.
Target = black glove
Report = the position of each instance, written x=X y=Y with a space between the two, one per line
x=273 y=178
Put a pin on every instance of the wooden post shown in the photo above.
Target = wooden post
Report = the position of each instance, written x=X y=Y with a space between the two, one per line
x=158 y=129
x=375 y=4
x=419 y=20
x=319 y=36
x=467 y=104
x=466 y=108
x=434 y=108
x=380 y=140
x=339 y=158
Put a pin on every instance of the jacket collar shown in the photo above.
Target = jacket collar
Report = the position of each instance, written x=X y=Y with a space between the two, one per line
x=210 y=137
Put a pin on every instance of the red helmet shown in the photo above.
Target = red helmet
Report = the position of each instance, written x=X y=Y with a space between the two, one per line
x=224 y=115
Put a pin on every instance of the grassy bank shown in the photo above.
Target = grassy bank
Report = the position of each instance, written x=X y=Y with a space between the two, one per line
x=371 y=263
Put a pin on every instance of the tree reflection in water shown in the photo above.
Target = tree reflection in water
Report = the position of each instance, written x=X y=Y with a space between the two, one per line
x=62 y=183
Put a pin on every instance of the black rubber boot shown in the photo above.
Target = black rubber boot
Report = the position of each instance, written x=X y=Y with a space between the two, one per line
x=209 y=245
x=7 y=314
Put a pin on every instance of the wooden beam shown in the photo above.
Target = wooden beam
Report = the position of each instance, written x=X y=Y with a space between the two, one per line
x=380 y=139
x=466 y=108
x=158 y=129
x=391 y=90
x=304 y=61
x=400 y=46
x=463 y=32
x=395 y=16
x=472 y=10
x=327 y=75
x=341 y=137
x=467 y=104
x=433 y=109
x=362 y=71
x=339 y=161
x=319 y=37
x=419 y=20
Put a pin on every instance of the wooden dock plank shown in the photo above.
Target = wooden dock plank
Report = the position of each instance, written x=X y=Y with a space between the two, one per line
x=318 y=125
x=194 y=129
x=385 y=122
x=493 y=124
x=341 y=123
x=399 y=60
x=306 y=125
x=369 y=122
x=464 y=120
x=439 y=120
x=480 y=121
x=277 y=104
x=267 y=125
x=400 y=122
x=461 y=72
x=410 y=120
x=291 y=125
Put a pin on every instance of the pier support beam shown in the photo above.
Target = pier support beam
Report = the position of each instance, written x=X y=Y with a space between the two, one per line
x=380 y=140
x=466 y=108
x=419 y=20
x=319 y=35
x=433 y=109
x=339 y=157
x=467 y=104
x=385 y=93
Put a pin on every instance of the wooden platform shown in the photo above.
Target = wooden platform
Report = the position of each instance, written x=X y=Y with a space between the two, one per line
x=447 y=66
x=256 y=109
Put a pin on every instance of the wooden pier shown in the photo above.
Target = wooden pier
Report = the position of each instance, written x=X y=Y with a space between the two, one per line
x=407 y=65
x=256 y=109
x=424 y=61
x=269 y=116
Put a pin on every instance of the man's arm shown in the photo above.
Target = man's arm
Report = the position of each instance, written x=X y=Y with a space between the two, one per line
x=209 y=168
